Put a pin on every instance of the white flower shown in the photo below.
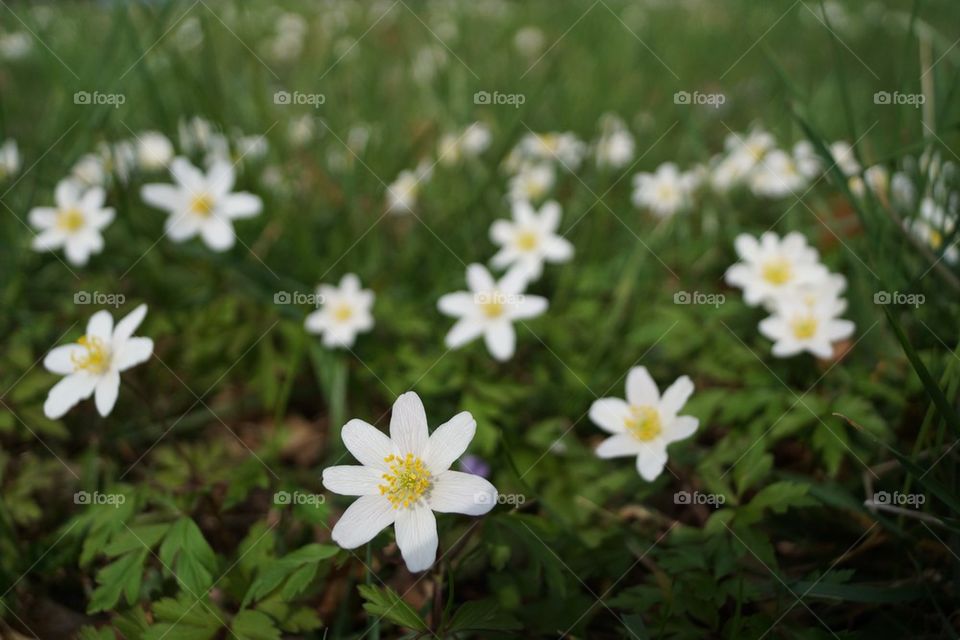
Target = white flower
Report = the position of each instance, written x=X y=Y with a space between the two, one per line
x=745 y=153
x=646 y=423
x=564 y=148
x=844 y=157
x=490 y=309
x=195 y=134
x=772 y=266
x=474 y=140
x=827 y=288
x=777 y=175
x=9 y=159
x=808 y=162
x=15 y=45
x=301 y=131
x=797 y=326
x=202 y=203
x=154 y=150
x=903 y=191
x=664 y=192
x=344 y=312
x=615 y=147
x=404 y=479
x=75 y=223
x=93 y=363
x=932 y=227
x=532 y=182
x=529 y=41
x=530 y=239
x=403 y=192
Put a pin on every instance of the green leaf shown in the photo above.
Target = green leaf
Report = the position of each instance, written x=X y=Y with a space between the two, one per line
x=482 y=615
x=187 y=555
x=385 y=603
x=121 y=577
x=297 y=568
x=184 y=618
x=253 y=625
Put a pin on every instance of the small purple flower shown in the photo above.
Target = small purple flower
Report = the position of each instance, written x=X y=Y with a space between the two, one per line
x=475 y=465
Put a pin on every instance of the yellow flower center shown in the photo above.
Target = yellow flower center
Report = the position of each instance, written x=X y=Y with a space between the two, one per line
x=936 y=239
x=804 y=328
x=96 y=358
x=342 y=313
x=666 y=193
x=202 y=205
x=527 y=240
x=777 y=271
x=408 y=479
x=71 y=219
x=644 y=422
x=492 y=305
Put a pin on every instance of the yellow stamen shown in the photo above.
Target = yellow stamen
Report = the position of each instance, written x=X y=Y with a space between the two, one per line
x=644 y=422
x=936 y=239
x=492 y=306
x=96 y=359
x=804 y=328
x=527 y=240
x=342 y=313
x=71 y=219
x=777 y=271
x=406 y=482
x=202 y=205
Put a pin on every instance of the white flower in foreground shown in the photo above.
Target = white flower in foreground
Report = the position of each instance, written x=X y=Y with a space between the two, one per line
x=530 y=239
x=202 y=203
x=403 y=192
x=92 y=365
x=344 y=312
x=532 y=182
x=646 y=423
x=75 y=223
x=154 y=150
x=489 y=309
x=664 y=192
x=796 y=327
x=777 y=175
x=9 y=159
x=406 y=478
x=772 y=266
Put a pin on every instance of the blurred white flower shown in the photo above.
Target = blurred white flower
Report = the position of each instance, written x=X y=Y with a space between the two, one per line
x=195 y=134
x=344 y=312
x=808 y=162
x=744 y=153
x=93 y=364
x=202 y=203
x=532 y=182
x=563 y=148
x=777 y=175
x=9 y=159
x=844 y=157
x=404 y=479
x=933 y=226
x=664 y=192
x=426 y=62
x=300 y=131
x=615 y=146
x=796 y=326
x=474 y=140
x=529 y=41
x=489 y=309
x=75 y=223
x=530 y=239
x=90 y=170
x=402 y=193
x=773 y=266
x=154 y=151
x=902 y=191
x=16 y=45
x=646 y=423
x=250 y=147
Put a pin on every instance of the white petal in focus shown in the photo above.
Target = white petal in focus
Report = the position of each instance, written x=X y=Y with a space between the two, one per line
x=417 y=537
x=362 y=521
x=108 y=388
x=408 y=425
x=67 y=393
x=449 y=441
x=366 y=443
x=459 y=492
x=353 y=480
x=641 y=389
x=609 y=414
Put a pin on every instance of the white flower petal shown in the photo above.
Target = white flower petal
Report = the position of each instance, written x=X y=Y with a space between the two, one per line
x=60 y=360
x=132 y=352
x=129 y=324
x=417 y=537
x=459 y=492
x=362 y=521
x=108 y=388
x=188 y=176
x=42 y=217
x=676 y=396
x=220 y=178
x=218 y=234
x=449 y=441
x=408 y=425
x=618 y=446
x=650 y=462
x=641 y=389
x=353 y=480
x=366 y=443
x=479 y=279
x=528 y=307
x=68 y=392
x=101 y=326
x=515 y=281
x=181 y=226
x=161 y=196
x=241 y=205
x=463 y=331
x=609 y=414
x=500 y=339
x=456 y=304
x=681 y=428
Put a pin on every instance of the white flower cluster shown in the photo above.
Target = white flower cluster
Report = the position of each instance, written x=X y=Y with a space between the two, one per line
x=785 y=276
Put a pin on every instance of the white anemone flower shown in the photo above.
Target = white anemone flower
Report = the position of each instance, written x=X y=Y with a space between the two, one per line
x=777 y=175
x=404 y=479
x=489 y=309
x=402 y=193
x=808 y=162
x=646 y=423
x=664 y=192
x=564 y=148
x=154 y=151
x=75 y=223
x=796 y=327
x=615 y=146
x=345 y=311
x=771 y=266
x=532 y=182
x=844 y=157
x=93 y=364
x=9 y=159
x=202 y=203
x=530 y=239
